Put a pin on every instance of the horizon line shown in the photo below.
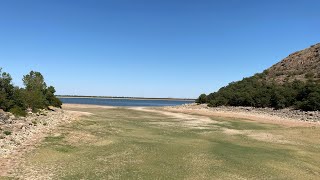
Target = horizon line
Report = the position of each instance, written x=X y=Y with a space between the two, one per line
x=121 y=97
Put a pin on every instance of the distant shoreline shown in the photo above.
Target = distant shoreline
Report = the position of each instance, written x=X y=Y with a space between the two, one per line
x=128 y=98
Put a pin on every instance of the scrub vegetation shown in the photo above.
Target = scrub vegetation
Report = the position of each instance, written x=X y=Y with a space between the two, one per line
x=257 y=92
x=34 y=96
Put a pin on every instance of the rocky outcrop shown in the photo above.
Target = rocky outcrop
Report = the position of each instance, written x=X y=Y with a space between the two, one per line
x=300 y=65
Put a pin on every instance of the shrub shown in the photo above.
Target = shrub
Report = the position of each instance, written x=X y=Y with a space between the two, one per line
x=309 y=75
x=7 y=133
x=35 y=95
x=18 y=111
x=311 y=102
x=202 y=99
x=257 y=92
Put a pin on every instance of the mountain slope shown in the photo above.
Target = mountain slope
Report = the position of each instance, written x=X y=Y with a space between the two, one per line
x=293 y=82
x=300 y=65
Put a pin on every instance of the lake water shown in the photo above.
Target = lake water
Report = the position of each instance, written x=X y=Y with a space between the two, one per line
x=123 y=102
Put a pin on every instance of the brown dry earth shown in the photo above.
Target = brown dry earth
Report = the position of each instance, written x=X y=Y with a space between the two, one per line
x=263 y=118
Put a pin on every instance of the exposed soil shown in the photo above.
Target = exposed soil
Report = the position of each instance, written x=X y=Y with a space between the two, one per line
x=31 y=131
x=203 y=122
x=264 y=115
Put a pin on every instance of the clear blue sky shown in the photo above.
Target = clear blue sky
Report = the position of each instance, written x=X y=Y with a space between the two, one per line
x=151 y=48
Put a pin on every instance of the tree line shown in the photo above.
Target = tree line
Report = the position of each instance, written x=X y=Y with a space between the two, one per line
x=257 y=91
x=33 y=96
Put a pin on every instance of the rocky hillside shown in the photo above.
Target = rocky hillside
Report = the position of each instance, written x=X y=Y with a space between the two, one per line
x=292 y=83
x=300 y=65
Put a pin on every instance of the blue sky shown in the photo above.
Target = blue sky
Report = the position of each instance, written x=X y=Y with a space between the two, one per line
x=151 y=48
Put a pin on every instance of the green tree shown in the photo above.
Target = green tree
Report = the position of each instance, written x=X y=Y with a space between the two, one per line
x=35 y=95
x=256 y=91
x=19 y=99
x=34 y=81
x=51 y=99
x=311 y=102
x=202 y=99
x=35 y=90
x=6 y=91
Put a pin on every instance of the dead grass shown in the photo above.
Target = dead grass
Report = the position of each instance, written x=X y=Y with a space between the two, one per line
x=124 y=143
x=262 y=118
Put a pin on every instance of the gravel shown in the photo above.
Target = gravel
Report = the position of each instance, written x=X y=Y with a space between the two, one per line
x=16 y=132
x=311 y=116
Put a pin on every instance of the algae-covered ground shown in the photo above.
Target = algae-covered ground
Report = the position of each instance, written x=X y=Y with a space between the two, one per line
x=130 y=143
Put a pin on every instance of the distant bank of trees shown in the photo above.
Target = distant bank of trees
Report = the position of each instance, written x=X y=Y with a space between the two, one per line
x=256 y=91
x=35 y=94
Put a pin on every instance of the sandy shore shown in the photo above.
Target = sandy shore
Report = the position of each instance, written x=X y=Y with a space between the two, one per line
x=259 y=115
x=252 y=114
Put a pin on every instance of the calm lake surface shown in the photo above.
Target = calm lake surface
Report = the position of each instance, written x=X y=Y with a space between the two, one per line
x=124 y=102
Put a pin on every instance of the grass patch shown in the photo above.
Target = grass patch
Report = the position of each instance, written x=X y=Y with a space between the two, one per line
x=64 y=148
x=7 y=133
x=123 y=143
x=52 y=139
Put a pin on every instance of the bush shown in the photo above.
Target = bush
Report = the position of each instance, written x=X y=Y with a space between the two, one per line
x=257 y=92
x=311 y=102
x=309 y=75
x=7 y=133
x=18 y=111
x=202 y=99
x=35 y=95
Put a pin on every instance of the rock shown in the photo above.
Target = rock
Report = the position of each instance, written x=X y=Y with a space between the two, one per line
x=42 y=113
x=3 y=116
x=51 y=108
x=9 y=121
x=29 y=111
x=19 y=125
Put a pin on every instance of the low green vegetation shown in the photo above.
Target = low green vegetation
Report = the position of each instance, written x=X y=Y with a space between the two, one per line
x=35 y=95
x=7 y=133
x=257 y=91
x=202 y=99
x=121 y=143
